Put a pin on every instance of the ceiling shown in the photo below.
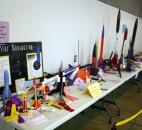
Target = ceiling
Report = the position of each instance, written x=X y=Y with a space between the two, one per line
x=131 y=6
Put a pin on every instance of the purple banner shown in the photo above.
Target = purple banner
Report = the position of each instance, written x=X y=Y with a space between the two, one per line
x=4 y=32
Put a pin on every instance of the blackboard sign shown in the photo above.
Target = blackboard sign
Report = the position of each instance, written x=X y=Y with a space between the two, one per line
x=19 y=59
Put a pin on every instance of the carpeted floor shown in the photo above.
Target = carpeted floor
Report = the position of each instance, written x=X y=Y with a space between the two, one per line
x=129 y=99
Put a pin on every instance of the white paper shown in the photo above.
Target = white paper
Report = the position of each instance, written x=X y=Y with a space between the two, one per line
x=32 y=73
x=19 y=83
x=38 y=120
x=35 y=118
x=4 y=65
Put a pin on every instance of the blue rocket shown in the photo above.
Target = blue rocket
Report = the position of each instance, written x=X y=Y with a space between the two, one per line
x=6 y=94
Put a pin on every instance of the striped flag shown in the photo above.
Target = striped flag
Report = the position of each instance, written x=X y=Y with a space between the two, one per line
x=102 y=46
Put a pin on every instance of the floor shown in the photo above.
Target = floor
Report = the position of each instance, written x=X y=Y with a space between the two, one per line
x=129 y=99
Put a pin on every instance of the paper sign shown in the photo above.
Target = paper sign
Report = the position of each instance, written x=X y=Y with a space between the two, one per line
x=4 y=65
x=38 y=120
x=19 y=84
x=4 y=32
x=94 y=89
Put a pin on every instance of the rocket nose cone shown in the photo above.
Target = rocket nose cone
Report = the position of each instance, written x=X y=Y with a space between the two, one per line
x=6 y=78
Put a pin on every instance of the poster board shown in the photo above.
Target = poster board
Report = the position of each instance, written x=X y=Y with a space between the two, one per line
x=17 y=62
x=4 y=31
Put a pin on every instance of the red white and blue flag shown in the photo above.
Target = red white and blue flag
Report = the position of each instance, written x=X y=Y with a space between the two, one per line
x=102 y=46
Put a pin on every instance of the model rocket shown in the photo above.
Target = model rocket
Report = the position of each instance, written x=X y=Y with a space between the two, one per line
x=133 y=39
x=94 y=55
x=117 y=30
x=94 y=69
x=24 y=96
x=122 y=53
x=6 y=92
x=114 y=61
x=118 y=21
x=36 y=102
x=129 y=62
x=61 y=79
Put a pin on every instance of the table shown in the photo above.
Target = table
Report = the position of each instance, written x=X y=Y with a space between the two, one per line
x=59 y=117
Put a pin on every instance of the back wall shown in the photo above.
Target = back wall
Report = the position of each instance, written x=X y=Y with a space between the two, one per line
x=59 y=24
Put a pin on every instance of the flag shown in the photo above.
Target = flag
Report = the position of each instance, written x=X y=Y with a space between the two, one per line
x=102 y=46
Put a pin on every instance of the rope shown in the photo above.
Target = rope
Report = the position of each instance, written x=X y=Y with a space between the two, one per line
x=122 y=122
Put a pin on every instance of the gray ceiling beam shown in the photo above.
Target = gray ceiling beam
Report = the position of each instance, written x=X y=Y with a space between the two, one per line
x=131 y=6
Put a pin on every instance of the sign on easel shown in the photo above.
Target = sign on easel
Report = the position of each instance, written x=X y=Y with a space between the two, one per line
x=4 y=32
x=94 y=89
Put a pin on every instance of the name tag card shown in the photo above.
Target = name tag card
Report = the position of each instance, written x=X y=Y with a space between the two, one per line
x=94 y=89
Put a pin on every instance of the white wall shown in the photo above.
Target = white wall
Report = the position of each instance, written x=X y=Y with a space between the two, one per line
x=59 y=24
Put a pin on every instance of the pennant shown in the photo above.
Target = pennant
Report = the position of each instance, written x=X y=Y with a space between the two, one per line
x=102 y=46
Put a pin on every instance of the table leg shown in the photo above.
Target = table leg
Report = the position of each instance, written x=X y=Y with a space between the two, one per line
x=113 y=102
x=104 y=108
